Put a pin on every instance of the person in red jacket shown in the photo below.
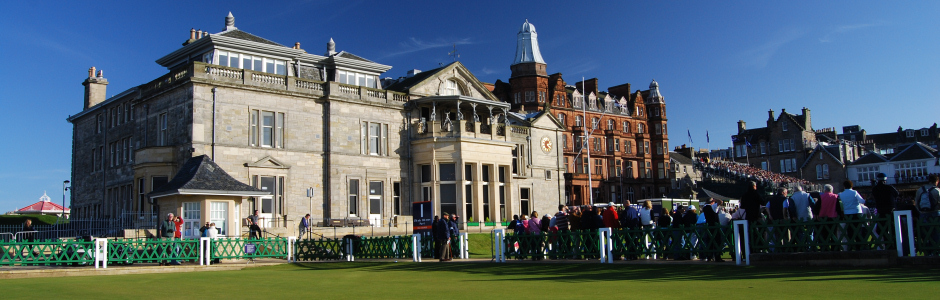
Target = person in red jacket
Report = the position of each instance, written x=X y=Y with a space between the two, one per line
x=178 y=221
x=610 y=216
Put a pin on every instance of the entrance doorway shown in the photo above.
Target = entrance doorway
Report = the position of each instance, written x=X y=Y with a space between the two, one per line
x=191 y=219
x=375 y=203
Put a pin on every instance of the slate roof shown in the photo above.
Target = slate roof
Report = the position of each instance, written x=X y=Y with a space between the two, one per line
x=238 y=34
x=345 y=54
x=915 y=151
x=407 y=83
x=200 y=174
x=681 y=158
x=870 y=158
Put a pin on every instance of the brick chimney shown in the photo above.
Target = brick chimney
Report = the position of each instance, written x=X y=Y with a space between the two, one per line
x=742 y=126
x=95 y=88
x=591 y=86
x=620 y=90
x=808 y=122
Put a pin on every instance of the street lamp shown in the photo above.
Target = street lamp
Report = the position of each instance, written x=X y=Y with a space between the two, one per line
x=65 y=189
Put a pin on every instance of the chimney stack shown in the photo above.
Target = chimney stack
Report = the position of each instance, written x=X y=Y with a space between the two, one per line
x=591 y=86
x=95 y=88
x=742 y=126
x=806 y=117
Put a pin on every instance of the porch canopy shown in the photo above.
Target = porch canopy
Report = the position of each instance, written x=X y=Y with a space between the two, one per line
x=200 y=176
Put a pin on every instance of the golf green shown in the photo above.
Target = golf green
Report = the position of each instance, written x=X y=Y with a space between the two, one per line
x=479 y=280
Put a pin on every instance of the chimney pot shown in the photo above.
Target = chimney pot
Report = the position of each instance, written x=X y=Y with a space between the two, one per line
x=91 y=72
x=100 y=73
x=192 y=33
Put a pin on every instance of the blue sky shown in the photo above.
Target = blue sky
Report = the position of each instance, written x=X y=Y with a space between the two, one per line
x=869 y=63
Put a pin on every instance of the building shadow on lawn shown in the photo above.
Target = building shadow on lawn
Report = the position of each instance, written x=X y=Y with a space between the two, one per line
x=617 y=272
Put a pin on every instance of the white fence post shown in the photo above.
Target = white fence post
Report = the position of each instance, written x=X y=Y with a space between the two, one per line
x=899 y=240
x=738 y=232
x=101 y=252
x=498 y=248
x=464 y=246
x=203 y=256
x=605 y=245
x=416 y=247
x=349 y=250
x=290 y=248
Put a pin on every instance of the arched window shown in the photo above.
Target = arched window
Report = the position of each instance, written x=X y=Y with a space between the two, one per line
x=451 y=88
x=610 y=124
x=594 y=123
x=578 y=121
x=561 y=119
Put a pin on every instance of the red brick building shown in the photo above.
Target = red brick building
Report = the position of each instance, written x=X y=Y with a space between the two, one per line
x=616 y=141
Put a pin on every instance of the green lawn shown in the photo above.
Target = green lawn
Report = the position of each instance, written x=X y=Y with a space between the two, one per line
x=405 y=280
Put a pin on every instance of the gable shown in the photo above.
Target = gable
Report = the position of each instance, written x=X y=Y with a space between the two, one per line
x=268 y=162
x=434 y=83
x=546 y=120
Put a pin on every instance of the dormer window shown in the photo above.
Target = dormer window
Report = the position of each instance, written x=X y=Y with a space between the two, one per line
x=451 y=88
x=909 y=133
x=923 y=132
x=354 y=78
x=250 y=62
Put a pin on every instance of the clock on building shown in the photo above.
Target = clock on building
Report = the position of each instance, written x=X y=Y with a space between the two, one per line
x=546 y=144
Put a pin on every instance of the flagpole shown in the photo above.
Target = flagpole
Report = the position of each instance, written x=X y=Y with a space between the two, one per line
x=587 y=138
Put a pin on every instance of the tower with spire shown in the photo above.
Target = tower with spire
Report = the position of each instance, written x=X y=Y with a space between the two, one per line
x=529 y=80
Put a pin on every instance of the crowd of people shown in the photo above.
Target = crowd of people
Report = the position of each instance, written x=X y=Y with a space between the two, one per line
x=750 y=173
x=691 y=231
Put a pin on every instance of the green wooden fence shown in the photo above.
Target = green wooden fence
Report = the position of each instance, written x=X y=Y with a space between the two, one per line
x=129 y=251
x=238 y=248
x=46 y=253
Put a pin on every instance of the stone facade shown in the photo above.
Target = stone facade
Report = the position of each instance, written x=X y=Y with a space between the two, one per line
x=338 y=151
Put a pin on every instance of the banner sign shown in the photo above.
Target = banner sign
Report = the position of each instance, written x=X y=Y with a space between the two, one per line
x=423 y=214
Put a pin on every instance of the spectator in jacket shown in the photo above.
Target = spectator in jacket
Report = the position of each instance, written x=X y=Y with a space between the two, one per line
x=516 y=225
x=852 y=207
x=751 y=202
x=535 y=225
x=630 y=217
x=178 y=222
x=561 y=218
x=441 y=237
x=663 y=222
x=611 y=218
x=452 y=225
x=646 y=211
x=574 y=218
x=885 y=196
x=931 y=215
x=715 y=239
x=212 y=231
x=803 y=202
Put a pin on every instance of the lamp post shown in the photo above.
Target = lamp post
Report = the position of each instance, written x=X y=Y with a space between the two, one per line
x=65 y=188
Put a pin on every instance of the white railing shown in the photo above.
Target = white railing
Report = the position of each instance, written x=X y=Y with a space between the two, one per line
x=267 y=78
x=309 y=85
x=235 y=74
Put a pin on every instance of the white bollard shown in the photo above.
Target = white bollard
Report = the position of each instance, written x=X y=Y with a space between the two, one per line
x=203 y=254
x=498 y=248
x=416 y=247
x=290 y=248
x=101 y=253
x=899 y=240
x=464 y=246
x=737 y=242
x=605 y=245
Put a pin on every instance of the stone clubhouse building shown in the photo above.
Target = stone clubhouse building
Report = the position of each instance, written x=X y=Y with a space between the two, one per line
x=241 y=123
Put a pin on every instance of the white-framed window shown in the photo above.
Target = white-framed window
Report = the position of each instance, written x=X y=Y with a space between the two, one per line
x=909 y=133
x=785 y=145
x=251 y=62
x=374 y=139
x=784 y=125
x=617 y=145
x=640 y=128
x=910 y=169
x=610 y=124
x=594 y=122
x=923 y=132
x=267 y=129
x=360 y=79
x=788 y=165
x=763 y=147
x=530 y=96
x=628 y=146
x=561 y=119
x=659 y=148
x=649 y=170
x=162 y=135
x=661 y=169
x=646 y=147
x=866 y=174
x=191 y=217
x=822 y=171
x=353 y=204
x=626 y=127
x=218 y=214
x=451 y=88
x=578 y=121
x=658 y=128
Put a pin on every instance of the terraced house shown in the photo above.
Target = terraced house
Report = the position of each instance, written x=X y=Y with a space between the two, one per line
x=241 y=123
